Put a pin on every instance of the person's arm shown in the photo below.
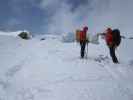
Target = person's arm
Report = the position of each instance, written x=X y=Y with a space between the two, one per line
x=102 y=34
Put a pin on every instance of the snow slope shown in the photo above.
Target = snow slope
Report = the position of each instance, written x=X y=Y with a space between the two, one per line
x=52 y=70
x=10 y=33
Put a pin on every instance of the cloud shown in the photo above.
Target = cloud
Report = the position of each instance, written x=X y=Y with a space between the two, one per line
x=97 y=14
x=117 y=15
x=49 y=3
x=62 y=18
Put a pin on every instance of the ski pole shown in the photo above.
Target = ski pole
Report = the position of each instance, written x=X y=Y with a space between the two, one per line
x=86 y=50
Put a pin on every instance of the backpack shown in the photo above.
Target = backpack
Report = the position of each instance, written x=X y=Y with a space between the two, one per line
x=80 y=36
x=77 y=35
x=116 y=37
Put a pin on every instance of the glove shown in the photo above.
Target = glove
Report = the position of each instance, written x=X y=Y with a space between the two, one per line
x=87 y=40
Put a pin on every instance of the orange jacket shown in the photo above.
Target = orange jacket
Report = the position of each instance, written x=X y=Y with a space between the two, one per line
x=82 y=35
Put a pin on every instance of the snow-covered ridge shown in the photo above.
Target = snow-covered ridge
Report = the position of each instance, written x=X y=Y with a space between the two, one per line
x=15 y=33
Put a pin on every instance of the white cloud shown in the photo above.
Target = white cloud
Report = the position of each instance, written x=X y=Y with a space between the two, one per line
x=63 y=20
x=97 y=14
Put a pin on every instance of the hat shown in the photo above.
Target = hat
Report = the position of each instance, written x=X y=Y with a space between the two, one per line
x=85 y=28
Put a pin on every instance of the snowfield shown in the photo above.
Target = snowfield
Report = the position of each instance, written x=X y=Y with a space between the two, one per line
x=52 y=70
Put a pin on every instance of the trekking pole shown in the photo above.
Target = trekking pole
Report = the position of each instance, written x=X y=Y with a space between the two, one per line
x=87 y=50
x=124 y=37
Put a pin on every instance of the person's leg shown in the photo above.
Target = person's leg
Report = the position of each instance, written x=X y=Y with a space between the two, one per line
x=112 y=54
x=82 y=44
x=81 y=50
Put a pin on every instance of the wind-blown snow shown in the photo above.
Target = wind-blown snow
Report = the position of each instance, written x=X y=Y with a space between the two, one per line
x=52 y=70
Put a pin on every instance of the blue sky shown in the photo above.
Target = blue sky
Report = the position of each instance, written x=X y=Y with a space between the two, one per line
x=21 y=14
x=60 y=16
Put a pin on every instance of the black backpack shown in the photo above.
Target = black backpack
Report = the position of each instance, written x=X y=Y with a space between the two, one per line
x=116 y=37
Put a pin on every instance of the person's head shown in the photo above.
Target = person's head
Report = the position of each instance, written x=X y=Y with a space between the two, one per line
x=85 y=29
x=108 y=30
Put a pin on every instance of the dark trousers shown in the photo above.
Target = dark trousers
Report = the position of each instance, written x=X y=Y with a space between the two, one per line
x=112 y=54
x=82 y=50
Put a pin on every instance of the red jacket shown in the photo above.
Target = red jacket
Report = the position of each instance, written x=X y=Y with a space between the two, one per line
x=109 y=38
